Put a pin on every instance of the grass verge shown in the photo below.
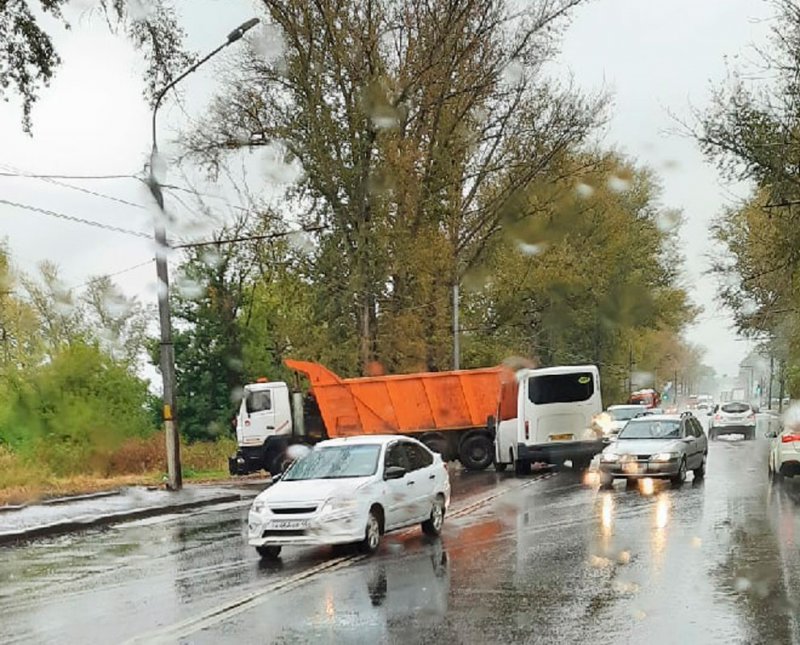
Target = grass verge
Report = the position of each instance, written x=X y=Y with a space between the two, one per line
x=137 y=462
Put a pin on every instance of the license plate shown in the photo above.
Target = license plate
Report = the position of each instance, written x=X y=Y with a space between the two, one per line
x=288 y=525
x=560 y=437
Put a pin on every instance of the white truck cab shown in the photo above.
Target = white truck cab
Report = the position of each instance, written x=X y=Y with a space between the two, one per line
x=263 y=427
x=556 y=411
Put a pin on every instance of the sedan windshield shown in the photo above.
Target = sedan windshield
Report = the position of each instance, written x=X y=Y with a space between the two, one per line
x=651 y=429
x=735 y=408
x=336 y=462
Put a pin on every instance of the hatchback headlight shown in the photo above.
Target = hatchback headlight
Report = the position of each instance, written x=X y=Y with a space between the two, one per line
x=339 y=505
x=609 y=456
x=665 y=456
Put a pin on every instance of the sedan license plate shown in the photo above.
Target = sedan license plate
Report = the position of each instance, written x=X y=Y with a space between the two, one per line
x=561 y=437
x=288 y=525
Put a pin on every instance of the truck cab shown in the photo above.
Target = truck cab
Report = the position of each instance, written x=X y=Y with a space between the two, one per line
x=263 y=428
x=556 y=411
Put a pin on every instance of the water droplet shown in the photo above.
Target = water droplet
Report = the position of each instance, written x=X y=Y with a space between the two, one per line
x=618 y=184
x=513 y=73
x=584 y=191
x=140 y=10
x=189 y=288
x=624 y=557
x=668 y=220
x=531 y=249
x=162 y=289
x=159 y=167
x=749 y=307
x=742 y=584
x=268 y=42
x=599 y=562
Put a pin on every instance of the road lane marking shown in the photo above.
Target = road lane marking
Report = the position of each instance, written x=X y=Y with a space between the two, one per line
x=239 y=605
x=224 y=612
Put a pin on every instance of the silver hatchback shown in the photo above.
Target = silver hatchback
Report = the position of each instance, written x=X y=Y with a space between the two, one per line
x=665 y=446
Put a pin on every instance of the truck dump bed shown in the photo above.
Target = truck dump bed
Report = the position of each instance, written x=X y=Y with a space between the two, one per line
x=406 y=403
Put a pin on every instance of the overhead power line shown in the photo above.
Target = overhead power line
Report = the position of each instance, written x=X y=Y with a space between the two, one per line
x=33 y=175
x=79 y=220
x=81 y=189
x=249 y=238
x=111 y=275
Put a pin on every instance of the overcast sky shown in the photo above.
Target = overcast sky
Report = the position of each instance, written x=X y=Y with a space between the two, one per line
x=655 y=57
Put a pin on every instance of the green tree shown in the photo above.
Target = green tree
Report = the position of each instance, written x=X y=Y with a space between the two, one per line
x=751 y=131
x=28 y=58
x=584 y=280
x=416 y=124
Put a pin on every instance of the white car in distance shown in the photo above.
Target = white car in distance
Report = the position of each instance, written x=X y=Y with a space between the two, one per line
x=620 y=415
x=351 y=490
x=784 y=449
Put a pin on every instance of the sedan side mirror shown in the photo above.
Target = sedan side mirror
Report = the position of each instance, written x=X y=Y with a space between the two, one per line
x=394 y=472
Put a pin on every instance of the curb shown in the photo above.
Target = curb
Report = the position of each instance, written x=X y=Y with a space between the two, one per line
x=54 y=501
x=69 y=526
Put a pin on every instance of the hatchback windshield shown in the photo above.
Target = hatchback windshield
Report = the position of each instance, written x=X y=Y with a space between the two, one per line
x=651 y=429
x=336 y=462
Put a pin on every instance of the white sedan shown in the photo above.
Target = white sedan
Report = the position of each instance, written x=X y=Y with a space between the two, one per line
x=351 y=490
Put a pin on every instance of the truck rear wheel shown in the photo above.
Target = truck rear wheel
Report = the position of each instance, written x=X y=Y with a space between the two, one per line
x=476 y=452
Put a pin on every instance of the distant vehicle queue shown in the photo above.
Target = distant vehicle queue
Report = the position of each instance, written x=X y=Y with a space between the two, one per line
x=478 y=417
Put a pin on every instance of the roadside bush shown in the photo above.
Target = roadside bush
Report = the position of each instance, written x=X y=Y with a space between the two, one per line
x=144 y=455
x=14 y=472
x=71 y=414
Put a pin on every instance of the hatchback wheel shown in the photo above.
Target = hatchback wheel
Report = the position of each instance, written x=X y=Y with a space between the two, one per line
x=433 y=525
x=269 y=551
x=372 y=534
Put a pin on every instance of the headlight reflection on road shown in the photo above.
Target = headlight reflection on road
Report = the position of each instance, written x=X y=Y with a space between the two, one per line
x=330 y=607
x=658 y=540
x=607 y=514
x=662 y=510
x=647 y=486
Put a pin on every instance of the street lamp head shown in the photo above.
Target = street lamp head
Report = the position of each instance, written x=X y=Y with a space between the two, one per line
x=240 y=31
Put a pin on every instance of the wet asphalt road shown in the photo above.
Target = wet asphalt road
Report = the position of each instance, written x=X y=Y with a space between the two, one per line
x=543 y=559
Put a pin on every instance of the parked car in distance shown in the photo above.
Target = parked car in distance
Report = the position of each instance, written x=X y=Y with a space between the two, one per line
x=664 y=446
x=351 y=490
x=784 y=452
x=735 y=417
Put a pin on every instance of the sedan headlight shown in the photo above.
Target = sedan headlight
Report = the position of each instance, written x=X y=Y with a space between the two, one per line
x=609 y=456
x=339 y=505
x=665 y=456
x=259 y=506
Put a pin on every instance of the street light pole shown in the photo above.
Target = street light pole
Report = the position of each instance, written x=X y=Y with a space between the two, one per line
x=167 y=353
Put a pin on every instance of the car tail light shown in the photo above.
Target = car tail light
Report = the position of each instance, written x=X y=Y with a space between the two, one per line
x=789 y=438
x=751 y=416
x=717 y=417
x=527 y=430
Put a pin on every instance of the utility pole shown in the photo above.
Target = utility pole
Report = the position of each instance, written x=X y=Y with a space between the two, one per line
x=456 y=329
x=771 y=371
x=630 y=369
x=782 y=385
x=167 y=354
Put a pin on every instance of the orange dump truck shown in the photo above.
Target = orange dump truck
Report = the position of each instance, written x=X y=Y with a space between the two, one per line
x=451 y=412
